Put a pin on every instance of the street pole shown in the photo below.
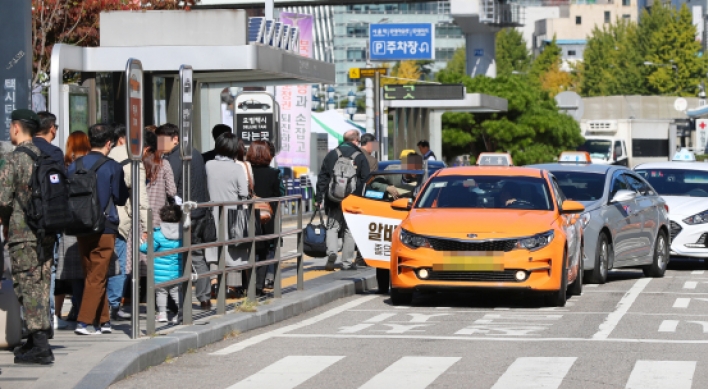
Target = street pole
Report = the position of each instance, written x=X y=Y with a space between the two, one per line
x=135 y=281
x=369 y=93
x=377 y=113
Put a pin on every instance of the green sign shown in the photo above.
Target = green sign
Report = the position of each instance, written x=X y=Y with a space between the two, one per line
x=424 y=92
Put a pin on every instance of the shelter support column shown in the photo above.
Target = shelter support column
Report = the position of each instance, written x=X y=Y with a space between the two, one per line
x=435 y=132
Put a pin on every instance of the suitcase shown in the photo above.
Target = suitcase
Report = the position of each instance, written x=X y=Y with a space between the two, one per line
x=10 y=320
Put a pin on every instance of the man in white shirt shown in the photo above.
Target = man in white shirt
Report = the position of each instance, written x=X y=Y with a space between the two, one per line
x=424 y=148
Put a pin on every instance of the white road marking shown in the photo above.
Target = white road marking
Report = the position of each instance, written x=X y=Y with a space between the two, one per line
x=661 y=375
x=411 y=373
x=422 y=318
x=698 y=272
x=668 y=326
x=270 y=334
x=380 y=318
x=353 y=329
x=535 y=373
x=623 y=306
x=703 y=324
x=287 y=373
x=590 y=286
x=690 y=285
x=682 y=302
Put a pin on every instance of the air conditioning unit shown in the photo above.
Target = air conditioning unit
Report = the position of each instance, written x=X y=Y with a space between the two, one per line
x=601 y=126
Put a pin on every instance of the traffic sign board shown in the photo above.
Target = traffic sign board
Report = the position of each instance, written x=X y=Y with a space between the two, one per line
x=401 y=41
x=355 y=73
x=424 y=92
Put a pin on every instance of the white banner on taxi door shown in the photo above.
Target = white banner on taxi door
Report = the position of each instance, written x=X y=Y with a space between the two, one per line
x=372 y=235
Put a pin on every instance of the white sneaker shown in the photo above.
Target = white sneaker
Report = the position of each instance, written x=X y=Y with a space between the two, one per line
x=162 y=317
x=60 y=324
x=105 y=328
x=83 y=329
x=177 y=320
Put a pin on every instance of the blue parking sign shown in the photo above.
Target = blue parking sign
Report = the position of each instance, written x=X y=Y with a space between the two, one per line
x=479 y=52
x=404 y=41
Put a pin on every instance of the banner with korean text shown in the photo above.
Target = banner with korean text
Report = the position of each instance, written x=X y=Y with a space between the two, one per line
x=295 y=103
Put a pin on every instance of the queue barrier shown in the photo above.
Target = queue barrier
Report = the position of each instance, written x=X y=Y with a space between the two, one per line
x=188 y=278
x=299 y=186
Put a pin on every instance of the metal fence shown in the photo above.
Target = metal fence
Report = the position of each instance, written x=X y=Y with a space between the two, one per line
x=222 y=242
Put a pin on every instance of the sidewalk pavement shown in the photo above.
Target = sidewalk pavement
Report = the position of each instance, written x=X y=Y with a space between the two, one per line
x=97 y=361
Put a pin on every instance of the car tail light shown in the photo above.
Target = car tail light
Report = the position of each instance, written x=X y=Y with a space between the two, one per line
x=666 y=207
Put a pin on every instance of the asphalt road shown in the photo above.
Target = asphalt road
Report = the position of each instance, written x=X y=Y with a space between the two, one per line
x=632 y=332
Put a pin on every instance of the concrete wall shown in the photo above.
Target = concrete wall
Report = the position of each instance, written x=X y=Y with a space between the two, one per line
x=591 y=15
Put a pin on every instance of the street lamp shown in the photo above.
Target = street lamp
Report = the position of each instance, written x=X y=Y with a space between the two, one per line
x=330 y=92
x=351 y=96
x=315 y=103
x=351 y=109
x=330 y=104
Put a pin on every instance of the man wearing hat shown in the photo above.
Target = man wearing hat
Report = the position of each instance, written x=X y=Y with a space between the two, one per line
x=31 y=275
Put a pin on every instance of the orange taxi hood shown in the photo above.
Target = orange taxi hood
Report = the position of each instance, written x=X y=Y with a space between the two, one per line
x=485 y=223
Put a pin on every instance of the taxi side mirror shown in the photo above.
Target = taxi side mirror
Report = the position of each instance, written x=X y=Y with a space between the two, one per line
x=570 y=206
x=623 y=195
x=402 y=204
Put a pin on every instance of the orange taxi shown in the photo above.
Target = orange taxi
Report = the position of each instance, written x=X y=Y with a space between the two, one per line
x=490 y=226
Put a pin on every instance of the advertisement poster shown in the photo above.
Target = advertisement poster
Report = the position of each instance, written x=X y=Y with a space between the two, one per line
x=135 y=107
x=295 y=103
x=185 y=128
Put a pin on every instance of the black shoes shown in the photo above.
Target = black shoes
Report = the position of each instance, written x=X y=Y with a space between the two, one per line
x=39 y=354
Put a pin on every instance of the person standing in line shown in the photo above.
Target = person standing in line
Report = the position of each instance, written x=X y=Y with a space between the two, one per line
x=266 y=183
x=97 y=249
x=215 y=133
x=31 y=275
x=116 y=285
x=335 y=217
x=424 y=147
x=70 y=274
x=168 y=139
x=43 y=140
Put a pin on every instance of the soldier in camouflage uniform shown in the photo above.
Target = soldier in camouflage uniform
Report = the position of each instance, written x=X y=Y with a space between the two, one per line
x=31 y=275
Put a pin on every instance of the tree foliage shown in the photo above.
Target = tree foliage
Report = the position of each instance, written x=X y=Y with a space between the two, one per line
x=512 y=54
x=408 y=72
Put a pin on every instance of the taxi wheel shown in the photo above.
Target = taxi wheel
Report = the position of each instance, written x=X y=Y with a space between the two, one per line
x=383 y=279
x=401 y=296
x=576 y=288
x=661 y=257
x=602 y=255
x=560 y=297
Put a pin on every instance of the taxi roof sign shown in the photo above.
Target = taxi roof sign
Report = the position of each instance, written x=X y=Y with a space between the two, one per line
x=575 y=157
x=684 y=155
x=494 y=159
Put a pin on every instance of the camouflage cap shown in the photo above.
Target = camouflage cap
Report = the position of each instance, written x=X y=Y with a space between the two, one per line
x=25 y=114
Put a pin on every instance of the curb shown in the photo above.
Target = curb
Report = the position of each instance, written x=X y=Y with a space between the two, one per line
x=152 y=352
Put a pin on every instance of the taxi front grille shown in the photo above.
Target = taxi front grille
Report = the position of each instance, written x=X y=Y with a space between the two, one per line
x=675 y=229
x=456 y=245
x=475 y=276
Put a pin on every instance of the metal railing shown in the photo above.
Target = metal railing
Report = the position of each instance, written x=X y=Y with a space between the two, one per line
x=222 y=242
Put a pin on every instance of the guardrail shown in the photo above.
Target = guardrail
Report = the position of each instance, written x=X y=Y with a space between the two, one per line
x=188 y=279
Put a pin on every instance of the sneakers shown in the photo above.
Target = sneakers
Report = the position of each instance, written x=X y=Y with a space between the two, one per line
x=331 y=259
x=162 y=317
x=117 y=314
x=351 y=267
x=59 y=323
x=83 y=329
x=177 y=320
x=106 y=328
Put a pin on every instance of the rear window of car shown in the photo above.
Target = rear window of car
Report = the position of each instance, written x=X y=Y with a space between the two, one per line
x=581 y=186
x=677 y=182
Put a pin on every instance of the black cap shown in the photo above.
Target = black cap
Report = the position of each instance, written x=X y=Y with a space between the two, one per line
x=25 y=114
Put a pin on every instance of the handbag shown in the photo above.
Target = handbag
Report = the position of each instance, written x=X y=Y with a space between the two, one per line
x=237 y=219
x=315 y=241
x=265 y=213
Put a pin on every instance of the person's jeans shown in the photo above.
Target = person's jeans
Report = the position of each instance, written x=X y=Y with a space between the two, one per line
x=335 y=225
x=116 y=283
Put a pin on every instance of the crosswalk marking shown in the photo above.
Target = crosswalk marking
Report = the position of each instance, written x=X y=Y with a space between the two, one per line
x=287 y=373
x=698 y=272
x=411 y=373
x=535 y=373
x=682 y=302
x=690 y=285
x=623 y=306
x=668 y=326
x=661 y=375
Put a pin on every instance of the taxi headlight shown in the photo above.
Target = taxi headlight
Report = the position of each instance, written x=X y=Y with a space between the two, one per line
x=535 y=242
x=585 y=219
x=412 y=240
x=700 y=218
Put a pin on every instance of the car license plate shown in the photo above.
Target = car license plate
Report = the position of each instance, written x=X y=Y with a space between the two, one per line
x=470 y=261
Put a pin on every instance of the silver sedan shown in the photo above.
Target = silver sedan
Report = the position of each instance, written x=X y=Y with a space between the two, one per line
x=625 y=222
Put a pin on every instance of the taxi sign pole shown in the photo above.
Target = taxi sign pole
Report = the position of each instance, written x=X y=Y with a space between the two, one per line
x=186 y=87
x=377 y=114
x=134 y=121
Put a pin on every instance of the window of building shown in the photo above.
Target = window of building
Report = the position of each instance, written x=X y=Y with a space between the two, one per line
x=356 y=54
x=626 y=3
x=608 y=17
x=444 y=54
x=571 y=53
x=358 y=31
x=447 y=30
x=578 y=20
x=626 y=16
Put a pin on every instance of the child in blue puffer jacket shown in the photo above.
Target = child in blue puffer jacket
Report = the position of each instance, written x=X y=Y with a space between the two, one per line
x=167 y=237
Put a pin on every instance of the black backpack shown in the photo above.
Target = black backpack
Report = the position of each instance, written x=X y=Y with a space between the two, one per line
x=87 y=215
x=46 y=212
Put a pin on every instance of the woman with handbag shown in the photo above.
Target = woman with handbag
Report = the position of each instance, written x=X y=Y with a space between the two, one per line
x=266 y=184
x=226 y=181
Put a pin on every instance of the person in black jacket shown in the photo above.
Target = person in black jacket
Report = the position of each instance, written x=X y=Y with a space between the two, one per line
x=168 y=140
x=215 y=132
x=266 y=183
x=335 y=218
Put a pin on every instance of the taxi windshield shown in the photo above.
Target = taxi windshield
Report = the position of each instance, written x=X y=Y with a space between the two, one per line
x=389 y=185
x=677 y=182
x=581 y=186
x=598 y=149
x=497 y=192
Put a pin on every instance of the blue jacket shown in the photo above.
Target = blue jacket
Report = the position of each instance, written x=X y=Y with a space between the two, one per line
x=166 y=237
x=54 y=153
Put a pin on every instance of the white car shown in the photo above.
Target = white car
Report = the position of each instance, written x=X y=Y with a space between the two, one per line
x=684 y=186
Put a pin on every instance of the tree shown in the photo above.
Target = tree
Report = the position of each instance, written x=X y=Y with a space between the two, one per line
x=512 y=53
x=455 y=66
x=549 y=59
x=408 y=72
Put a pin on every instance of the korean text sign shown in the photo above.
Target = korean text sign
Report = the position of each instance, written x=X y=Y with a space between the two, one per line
x=254 y=116
x=295 y=103
x=409 y=41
